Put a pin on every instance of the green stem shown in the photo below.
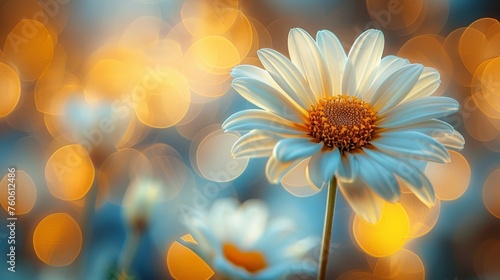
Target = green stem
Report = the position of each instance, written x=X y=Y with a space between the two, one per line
x=327 y=230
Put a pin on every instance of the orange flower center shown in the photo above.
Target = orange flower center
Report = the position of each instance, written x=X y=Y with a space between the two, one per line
x=342 y=121
x=252 y=261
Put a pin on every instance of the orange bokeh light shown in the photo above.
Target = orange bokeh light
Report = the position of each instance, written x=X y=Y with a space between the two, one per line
x=11 y=89
x=385 y=237
x=403 y=265
x=29 y=48
x=491 y=193
x=450 y=180
x=69 y=172
x=57 y=239
x=422 y=218
x=161 y=99
x=429 y=51
x=184 y=264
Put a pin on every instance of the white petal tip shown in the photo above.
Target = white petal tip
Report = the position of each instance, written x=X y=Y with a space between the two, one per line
x=371 y=218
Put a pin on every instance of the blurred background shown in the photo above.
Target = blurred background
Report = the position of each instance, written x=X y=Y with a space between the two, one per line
x=96 y=96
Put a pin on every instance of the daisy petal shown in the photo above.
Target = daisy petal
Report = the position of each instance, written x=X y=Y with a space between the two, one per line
x=287 y=76
x=432 y=127
x=439 y=130
x=387 y=66
x=202 y=233
x=415 y=179
x=252 y=217
x=348 y=168
x=427 y=84
x=290 y=149
x=454 y=141
x=228 y=269
x=305 y=54
x=362 y=200
x=418 y=110
x=396 y=87
x=379 y=178
x=335 y=58
x=251 y=71
x=276 y=169
x=269 y=98
x=322 y=166
x=424 y=190
x=256 y=143
x=219 y=213
x=363 y=59
x=278 y=229
x=411 y=144
x=260 y=119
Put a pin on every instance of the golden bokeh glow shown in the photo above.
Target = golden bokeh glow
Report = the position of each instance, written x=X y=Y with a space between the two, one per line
x=477 y=123
x=397 y=16
x=452 y=179
x=216 y=53
x=10 y=85
x=29 y=48
x=491 y=193
x=207 y=17
x=402 y=265
x=422 y=218
x=385 y=237
x=484 y=87
x=69 y=172
x=161 y=99
x=429 y=51
x=184 y=264
x=475 y=46
x=57 y=239
x=110 y=79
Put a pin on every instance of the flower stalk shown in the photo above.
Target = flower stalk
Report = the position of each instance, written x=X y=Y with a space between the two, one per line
x=327 y=229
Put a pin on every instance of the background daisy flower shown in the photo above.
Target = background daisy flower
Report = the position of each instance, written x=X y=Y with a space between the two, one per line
x=240 y=242
x=367 y=121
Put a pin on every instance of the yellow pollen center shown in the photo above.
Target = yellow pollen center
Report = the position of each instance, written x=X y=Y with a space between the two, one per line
x=342 y=121
x=251 y=261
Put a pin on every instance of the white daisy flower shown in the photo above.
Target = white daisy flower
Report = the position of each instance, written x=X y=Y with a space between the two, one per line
x=365 y=120
x=239 y=242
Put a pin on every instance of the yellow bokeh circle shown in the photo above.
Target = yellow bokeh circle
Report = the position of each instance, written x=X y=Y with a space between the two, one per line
x=29 y=48
x=10 y=85
x=162 y=98
x=216 y=53
x=69 y=172
x=452 y=179
x=385 y=237
x=108 y=79
x=184 y=264
x=402 y=265
x=57 y=239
